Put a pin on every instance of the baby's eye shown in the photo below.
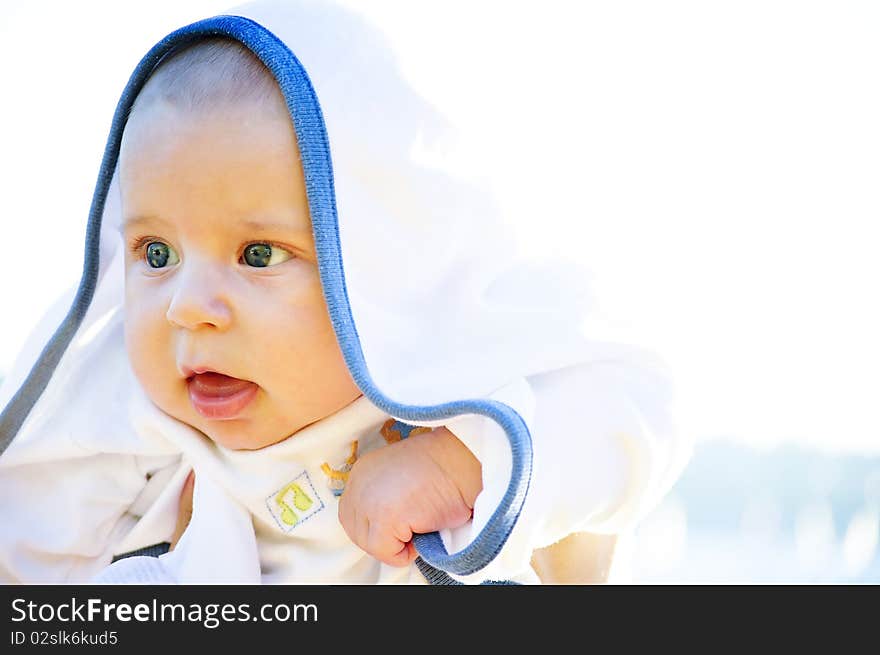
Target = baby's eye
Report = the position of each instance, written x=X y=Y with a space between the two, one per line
x=159 y=254
x=264 y=254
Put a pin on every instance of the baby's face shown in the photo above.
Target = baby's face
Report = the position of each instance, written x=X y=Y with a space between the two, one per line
x=221 y=274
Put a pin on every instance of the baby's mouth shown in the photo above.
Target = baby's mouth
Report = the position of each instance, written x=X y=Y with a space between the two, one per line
x=219 y=396
x=216 y=384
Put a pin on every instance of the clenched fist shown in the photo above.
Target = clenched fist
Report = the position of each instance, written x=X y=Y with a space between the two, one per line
x=421 y=484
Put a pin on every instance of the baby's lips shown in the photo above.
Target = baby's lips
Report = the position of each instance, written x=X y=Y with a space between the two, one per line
x=217 y=384
x=189 y=371
x=220 y=397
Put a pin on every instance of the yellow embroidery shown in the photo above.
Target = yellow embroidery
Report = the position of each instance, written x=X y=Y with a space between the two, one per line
x=393 y=435
x=301 y=501
x=338 y=477
x=334 y=474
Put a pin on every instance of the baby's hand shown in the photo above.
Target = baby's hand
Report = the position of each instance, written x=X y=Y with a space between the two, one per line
x=421 y=484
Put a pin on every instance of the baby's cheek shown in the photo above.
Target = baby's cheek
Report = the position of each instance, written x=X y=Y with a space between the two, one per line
x=144 y=343
x=139 y=324
x=307 y=357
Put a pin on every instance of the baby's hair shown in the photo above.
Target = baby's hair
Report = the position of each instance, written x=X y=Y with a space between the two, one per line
x=215 y=72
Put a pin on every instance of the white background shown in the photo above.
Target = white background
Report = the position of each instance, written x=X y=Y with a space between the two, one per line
x=718 y=170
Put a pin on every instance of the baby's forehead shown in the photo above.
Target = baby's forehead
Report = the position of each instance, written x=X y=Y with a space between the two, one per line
x=209 y=73
x=215 y=78
x=197 y=176
x=226 y=118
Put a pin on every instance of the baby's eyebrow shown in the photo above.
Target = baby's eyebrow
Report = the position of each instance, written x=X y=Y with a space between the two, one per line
x=137 y=220
x=248 y=224
x=278 y=227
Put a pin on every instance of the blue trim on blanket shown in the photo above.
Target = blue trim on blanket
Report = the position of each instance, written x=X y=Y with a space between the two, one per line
x=315 y=152
x=155 y=550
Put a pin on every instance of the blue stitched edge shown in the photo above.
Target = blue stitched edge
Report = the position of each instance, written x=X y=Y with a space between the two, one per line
x=155 y=550
x=314 y=148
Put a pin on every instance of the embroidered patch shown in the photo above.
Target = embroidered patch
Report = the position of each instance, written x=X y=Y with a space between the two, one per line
x=394 y=430
x=294 y=502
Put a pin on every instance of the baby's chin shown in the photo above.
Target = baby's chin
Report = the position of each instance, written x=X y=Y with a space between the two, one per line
x=238 y=434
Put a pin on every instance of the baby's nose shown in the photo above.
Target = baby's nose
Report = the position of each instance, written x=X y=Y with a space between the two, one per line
x=199 y=301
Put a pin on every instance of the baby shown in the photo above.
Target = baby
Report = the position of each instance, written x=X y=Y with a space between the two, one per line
x=323 y=436
x=226 y=326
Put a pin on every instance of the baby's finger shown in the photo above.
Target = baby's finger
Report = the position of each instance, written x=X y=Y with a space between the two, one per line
x=399 y=559
x=387 y=547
